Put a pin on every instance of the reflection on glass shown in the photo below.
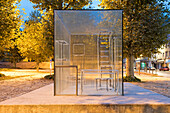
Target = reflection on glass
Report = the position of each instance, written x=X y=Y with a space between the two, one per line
x=91 y=40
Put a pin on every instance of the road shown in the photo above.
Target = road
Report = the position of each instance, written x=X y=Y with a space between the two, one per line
x=160 y=73
x=164 y=73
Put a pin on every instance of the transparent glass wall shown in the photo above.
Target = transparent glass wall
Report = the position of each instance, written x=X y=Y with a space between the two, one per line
x=90 y=41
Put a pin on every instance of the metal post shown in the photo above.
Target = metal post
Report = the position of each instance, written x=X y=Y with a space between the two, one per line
x=76 y=80
x=81 y=86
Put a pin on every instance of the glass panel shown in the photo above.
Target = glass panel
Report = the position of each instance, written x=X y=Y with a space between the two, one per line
x=91 y=40
x=65 y=81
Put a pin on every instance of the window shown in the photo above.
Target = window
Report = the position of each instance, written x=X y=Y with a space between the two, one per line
x=78 y=49
x=166 y=54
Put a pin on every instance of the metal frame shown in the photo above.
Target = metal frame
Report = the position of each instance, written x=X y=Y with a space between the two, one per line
x=67 y=66
x=122 y=58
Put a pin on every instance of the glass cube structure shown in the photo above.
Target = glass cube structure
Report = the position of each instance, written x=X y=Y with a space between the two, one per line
x=88 y=52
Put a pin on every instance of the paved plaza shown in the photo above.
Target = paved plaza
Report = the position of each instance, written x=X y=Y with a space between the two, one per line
x=44 y=96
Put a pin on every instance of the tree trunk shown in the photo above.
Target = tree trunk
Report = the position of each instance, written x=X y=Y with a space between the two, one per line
x=129 y=66
x=15 y=64
x=37 y=66
x=61 y=4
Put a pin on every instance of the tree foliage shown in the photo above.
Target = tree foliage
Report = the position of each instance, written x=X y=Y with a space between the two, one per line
x=35 y=16
x=10 y=21
x=32 y=42
x=14 y=55
x=46 y=8
x=143 y=20
x=60 y=4
x=142 y=26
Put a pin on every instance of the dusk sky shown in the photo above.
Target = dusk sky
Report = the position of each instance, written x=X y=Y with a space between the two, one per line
x=28 y=6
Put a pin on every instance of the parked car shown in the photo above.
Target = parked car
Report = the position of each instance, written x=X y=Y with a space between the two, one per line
x=151 y=68
x=164 y=69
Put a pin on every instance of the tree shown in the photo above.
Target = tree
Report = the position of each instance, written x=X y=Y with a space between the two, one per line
x=35 y=16
x=32 y=43
x=9 y=22
x=14 y=55
x=60 y=4
x=142 y=29
x=46 y=8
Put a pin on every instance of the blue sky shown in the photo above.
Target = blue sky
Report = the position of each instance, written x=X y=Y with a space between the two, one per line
x=28 y=6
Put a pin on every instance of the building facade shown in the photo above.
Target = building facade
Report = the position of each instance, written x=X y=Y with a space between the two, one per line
x=163 y=58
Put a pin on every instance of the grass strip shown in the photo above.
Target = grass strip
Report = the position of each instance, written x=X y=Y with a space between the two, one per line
x=6 y=69
x=12 y=77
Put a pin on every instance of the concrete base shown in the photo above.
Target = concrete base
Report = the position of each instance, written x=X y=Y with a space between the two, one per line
x=116 y=108
x=136 y=100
